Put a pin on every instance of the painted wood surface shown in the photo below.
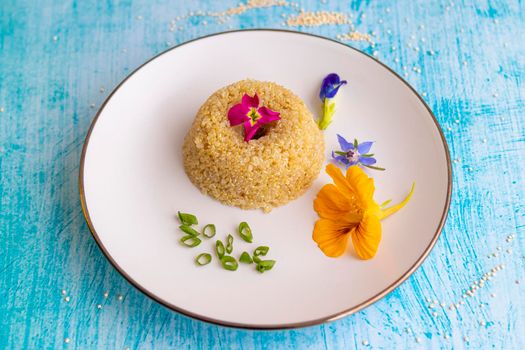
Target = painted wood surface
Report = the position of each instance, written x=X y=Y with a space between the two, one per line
x=59 y=60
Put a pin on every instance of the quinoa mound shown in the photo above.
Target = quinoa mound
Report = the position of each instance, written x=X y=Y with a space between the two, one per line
x=263 y=173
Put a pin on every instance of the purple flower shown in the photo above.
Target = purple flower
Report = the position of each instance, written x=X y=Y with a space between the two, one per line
x=355 y=154
x=251 y=115
x=330 y=86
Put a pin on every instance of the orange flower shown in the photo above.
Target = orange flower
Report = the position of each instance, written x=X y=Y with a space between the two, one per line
x=347 y=208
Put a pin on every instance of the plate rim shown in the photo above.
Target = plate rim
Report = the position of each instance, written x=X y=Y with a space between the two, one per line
x=282 y=326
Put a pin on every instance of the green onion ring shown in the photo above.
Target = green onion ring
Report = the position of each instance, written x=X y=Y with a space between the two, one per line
x=245 y=232
x=246 y=258
x=219 y=249
x=261 y=251
x=229 y=263
x=190 y=241
x=229 y=244
x=189 y=230
x=208 y=231
x=187 y=219
x=265 y=265
x=203 y=259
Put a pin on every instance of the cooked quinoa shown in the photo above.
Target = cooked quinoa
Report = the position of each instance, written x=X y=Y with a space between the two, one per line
x=262 y=173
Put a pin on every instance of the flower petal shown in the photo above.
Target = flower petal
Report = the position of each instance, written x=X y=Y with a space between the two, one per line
x=367 y=160
x=249 y=102
x=339 y=158
x=250 y=130
x=331 y=79
x=328 y=81
x=334 y=89
x=364 y=147
x=362 y=186
x=331 y=237
x=237 y=114
x=389 y=211
x=330 y=203
x=342 y=159
x=340 y=181
x=345 y=145
x=267 y=115
x=330 y=86
x=366 y=236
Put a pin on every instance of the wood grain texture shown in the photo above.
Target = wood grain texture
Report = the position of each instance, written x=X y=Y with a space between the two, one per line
x=59 y=60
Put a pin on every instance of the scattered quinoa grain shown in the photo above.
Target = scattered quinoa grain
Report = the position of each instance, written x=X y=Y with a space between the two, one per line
x=318 y=18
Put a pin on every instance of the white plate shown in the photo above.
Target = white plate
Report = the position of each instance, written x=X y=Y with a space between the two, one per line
x=132 y=182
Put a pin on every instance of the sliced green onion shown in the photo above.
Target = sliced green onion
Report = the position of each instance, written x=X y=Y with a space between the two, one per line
x=261 y=251
x=190 y=241
x=229 y=263
x=189 y=230
x=203 y=259
x=219 y=248
x=256 y=259
x=268 y=264
x=188 y=219
x=246 y=258
x=208 y=231
x=229 y=244
x=245 y=232
x=265 y=265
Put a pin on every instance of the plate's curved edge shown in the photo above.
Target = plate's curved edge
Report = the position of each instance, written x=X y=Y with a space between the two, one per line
x=309 y=323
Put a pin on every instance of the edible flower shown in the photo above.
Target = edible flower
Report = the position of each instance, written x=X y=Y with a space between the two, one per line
x=251 y=116
x=329 y=88
x=355 y=154
x=347 y=209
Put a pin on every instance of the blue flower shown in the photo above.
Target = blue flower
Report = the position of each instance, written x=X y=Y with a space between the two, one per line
x=355 y=154
x=330 y=86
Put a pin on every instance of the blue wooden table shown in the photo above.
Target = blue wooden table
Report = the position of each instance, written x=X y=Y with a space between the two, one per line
x=59 y=60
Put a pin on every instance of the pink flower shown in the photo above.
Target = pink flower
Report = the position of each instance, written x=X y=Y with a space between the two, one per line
x=251 y=116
